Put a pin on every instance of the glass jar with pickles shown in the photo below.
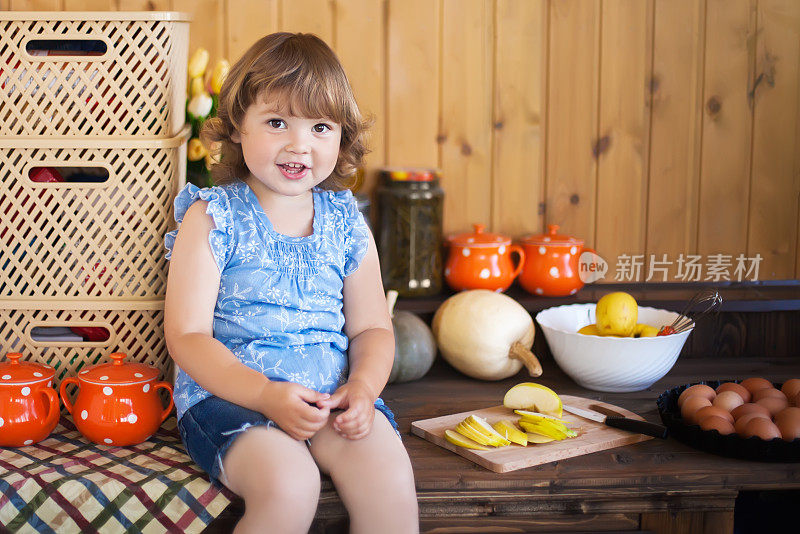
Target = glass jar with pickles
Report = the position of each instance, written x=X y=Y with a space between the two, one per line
x=409 y=233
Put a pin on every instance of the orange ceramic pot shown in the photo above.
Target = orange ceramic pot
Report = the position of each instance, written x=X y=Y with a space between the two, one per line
x=482 y=260
x=551 y=268
x=117 y=403
x=28 y=403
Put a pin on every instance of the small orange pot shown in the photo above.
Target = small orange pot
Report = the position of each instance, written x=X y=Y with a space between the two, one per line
x=552 y=266
x=28 y=403
x=117 y=403
x=482 y=260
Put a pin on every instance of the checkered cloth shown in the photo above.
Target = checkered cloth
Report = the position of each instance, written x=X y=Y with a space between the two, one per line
x=67 y=484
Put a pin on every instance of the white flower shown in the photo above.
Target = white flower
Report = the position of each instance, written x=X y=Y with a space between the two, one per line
x=200 y=105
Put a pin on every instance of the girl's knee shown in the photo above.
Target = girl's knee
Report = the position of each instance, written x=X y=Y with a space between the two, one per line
x=266 y=466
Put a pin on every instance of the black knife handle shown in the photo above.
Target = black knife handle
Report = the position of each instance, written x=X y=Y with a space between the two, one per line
x=634 y=425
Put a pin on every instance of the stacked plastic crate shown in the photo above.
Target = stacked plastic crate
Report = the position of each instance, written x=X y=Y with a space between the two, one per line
x=92 y=152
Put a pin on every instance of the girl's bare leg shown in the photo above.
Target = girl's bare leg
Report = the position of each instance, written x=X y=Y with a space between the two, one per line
x=277 y=478
x=373 y=477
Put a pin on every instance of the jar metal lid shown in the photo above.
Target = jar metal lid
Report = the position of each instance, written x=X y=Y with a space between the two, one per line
x=410 y=174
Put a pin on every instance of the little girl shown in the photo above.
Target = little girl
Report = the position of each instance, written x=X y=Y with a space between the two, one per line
x=275 y=312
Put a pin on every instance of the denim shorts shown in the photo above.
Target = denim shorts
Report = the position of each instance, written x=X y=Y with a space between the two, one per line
x=210 y=427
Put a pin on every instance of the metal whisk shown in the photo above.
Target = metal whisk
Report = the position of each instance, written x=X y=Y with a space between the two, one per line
x=703 y=302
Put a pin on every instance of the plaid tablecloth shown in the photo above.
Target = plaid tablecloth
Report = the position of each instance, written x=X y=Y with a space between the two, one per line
x=66 y=484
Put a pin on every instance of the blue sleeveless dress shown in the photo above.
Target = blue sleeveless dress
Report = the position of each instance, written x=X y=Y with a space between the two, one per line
x=279 y=308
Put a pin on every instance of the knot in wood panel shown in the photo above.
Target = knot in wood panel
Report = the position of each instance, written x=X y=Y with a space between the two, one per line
x=713 y=106
x=601 y=145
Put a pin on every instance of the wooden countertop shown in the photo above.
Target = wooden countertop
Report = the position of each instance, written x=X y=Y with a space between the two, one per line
x=646 y=485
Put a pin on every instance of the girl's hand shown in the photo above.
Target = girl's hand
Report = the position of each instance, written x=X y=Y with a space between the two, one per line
x=356 y=398
x=291 y=407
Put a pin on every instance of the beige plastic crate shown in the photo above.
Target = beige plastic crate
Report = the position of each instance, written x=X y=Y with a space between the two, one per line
x=135 y=87
x=135 y=328
x=82 y=239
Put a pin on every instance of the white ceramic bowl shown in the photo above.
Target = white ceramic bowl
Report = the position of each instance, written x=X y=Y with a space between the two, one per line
x=616 y=364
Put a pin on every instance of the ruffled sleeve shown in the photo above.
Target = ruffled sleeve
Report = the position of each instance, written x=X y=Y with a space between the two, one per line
x=356 y=231
x=219 y=208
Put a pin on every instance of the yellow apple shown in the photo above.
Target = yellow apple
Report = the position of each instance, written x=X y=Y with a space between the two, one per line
x=617 y=314
x=645 y=330
x=590 y=330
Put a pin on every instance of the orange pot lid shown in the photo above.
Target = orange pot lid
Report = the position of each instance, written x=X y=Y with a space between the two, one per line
x=552 y=237
x=479 y=238
x=16 y=372
x=119 y=372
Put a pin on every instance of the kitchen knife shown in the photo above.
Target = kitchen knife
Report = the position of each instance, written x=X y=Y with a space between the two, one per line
x=623 y=423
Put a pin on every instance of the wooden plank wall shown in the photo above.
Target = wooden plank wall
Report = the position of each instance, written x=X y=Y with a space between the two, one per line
x=649 y=127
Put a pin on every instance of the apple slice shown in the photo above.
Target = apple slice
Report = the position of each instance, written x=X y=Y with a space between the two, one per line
x=509 y=430
x=469 y=432
x=536 y=438
x=480 y=424
x=534 y=397
x=457 y=439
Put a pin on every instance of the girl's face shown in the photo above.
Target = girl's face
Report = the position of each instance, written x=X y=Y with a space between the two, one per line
x=287 y=154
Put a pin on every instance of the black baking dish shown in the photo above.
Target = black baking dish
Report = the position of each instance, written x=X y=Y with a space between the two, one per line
x=732 y=445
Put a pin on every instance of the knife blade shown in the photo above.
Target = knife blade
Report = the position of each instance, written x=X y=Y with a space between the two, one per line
x=623 y=423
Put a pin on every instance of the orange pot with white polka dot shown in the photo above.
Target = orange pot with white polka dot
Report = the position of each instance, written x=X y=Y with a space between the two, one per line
x=551 y=268
x=28 y=403
x=117 y=403
x=482 y=260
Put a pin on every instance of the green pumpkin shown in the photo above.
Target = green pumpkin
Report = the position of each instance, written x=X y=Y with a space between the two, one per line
x=414 y=347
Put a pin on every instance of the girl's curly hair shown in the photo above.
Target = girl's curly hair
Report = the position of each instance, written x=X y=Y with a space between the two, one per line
x=304 y=75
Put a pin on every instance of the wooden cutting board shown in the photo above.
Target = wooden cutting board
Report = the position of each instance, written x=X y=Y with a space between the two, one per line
x=592 y=436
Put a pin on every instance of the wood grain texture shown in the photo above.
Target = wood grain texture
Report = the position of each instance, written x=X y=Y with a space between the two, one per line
x=208 y=29
x=592 y=437
x=35 y=5
x=572 y=108
x=361 y=46
x=412 y=111
x=309 y=16
x=143 y=5
x=248 y=21
x=465 y=124
x=675 y=130
x=775 y=187
x=624 y=128
x=520 y=89
x=727 y=127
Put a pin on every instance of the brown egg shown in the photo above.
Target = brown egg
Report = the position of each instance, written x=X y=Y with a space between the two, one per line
x=690 y=407
x=709 y=411
x=720 y=424
x=796 y=399
x=733 y=386
x=743 y=421
x=701 y=390
x=773 y=404
x=749 y=407
x=788 y=422
x=728 y=400
x=768 y=392
x=762 y=428
x=791 y=387
x=754 y=384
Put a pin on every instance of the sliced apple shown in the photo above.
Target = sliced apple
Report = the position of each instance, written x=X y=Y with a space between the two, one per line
x=533 y=437
x=469 y=432
x=534 y=397
x=509 y=430
x=547 y=429
x=480 y=424
x=462 y=441
x=535 y=417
